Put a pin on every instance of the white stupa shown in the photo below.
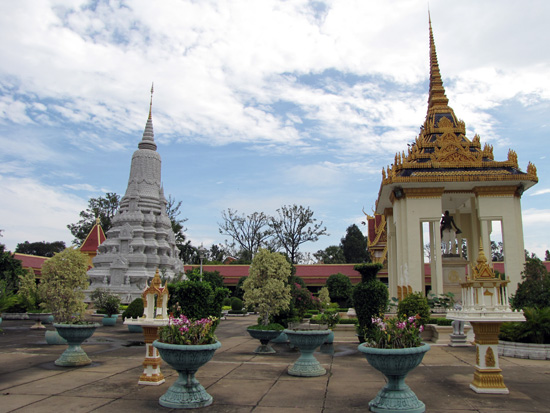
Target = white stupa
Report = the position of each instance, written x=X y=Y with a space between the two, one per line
x=141 y=239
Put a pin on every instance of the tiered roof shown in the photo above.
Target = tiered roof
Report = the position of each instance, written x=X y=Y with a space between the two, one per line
x=443 y=153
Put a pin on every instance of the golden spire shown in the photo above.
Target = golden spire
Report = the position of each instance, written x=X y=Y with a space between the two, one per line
x=436 y=97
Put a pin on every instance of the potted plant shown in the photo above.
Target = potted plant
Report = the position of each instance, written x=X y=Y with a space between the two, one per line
x=394 y=348
x=107 y=304
x=134 y=310
x=266 y=290
x=64 y=280
x=187 y=344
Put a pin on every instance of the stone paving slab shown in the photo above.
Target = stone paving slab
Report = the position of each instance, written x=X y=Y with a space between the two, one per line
x=243 y=382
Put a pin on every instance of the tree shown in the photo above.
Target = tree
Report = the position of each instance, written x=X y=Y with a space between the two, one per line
x=340 y=289
x=64 y=280
x=354 y=246
x=173 y=211
x=331 y=255
x=534 y=290
x=42 y=249
x=249 y=232
x=266 y=287
x=294 y=226
x=10 y=270
x=103 y=208
x=497 y=251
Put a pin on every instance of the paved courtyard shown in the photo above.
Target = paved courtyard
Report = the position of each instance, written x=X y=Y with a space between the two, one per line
x=242 y=382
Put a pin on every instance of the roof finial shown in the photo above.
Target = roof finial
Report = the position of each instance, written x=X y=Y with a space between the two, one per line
x=148 y=139
x=436 y=97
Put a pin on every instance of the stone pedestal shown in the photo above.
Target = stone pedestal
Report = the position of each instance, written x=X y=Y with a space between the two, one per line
x=151 y=375
x=458 y=338
x=454 y=273
x=487 y=375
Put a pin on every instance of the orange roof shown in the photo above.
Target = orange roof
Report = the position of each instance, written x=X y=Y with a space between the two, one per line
x=94 y=238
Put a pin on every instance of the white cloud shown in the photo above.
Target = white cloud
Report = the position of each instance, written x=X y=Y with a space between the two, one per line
x=33 y=211
x=541 y=192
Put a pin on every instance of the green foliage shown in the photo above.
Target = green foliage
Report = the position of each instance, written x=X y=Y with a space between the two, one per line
x=324 y=297
x=534 y=290
x=214 y=278
x=414 y=304
x=239 y=292
x=445 y=300
x=184 y=331
x=105 y=302
x=368 y=271
x=370 y=301
x=333 y=254
x=9 y=300
x=266 y=327
x=266 y=287
x=134 y=310
x=348 y=321
x=397 y=332
x=28 y=291
x=196 y=299
x=302 y=299
x=535 y=329
x=236 y=304
x=329 y=317
x=42 y=249
x=103 y=208
x=340 y=289
x=10 y=270
x=440 y=321
x=354 y=246
x=64 y=280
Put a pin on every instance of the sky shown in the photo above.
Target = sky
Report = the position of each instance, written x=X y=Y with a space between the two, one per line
x=257 y=104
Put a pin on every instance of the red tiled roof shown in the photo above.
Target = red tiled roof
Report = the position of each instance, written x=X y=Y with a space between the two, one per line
x=94 y=239
x=31 y=261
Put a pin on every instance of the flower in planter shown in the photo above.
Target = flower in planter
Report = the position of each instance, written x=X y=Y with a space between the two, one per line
x=396 y=332
x=182 y=330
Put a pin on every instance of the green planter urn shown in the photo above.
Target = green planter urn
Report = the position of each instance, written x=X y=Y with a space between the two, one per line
x=307 y=341
x=265 y=336
x=75 y=334
x=186 y=392
x=109 y=320
x=395 y=364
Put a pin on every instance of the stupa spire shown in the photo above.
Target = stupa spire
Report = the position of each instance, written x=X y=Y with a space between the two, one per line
x=148 y=139
x=436 y=97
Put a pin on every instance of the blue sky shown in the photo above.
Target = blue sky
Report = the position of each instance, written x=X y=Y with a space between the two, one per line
x=257 y=104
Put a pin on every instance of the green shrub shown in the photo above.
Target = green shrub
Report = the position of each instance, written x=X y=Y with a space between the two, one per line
x=348 y=321
x=196 y=299
x=340 y=289
x=236 y=304
x=534 y=290
x=535 y=329
x=414 y=304
x=105 y=302
x=444 y=322
x=134 y=310
x=227 y=302
x=369 y=300
x=368 y=271
x=270 y=326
